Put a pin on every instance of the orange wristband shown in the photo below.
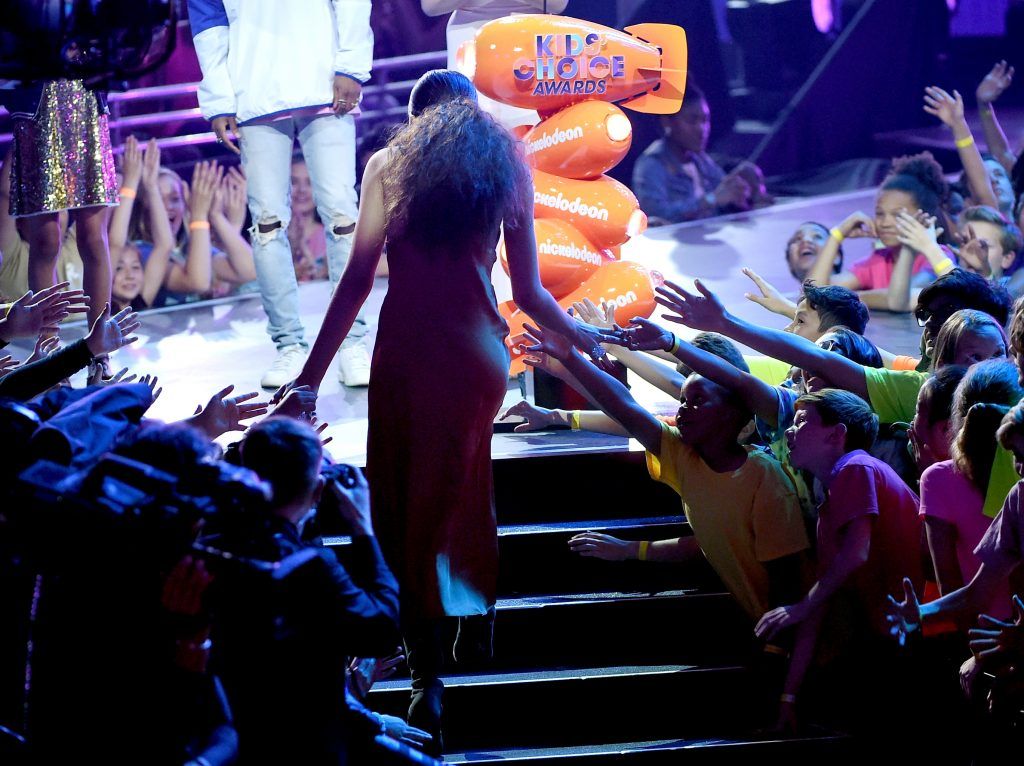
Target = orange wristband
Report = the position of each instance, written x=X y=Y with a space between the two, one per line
x=128 y=192
x=202 y=225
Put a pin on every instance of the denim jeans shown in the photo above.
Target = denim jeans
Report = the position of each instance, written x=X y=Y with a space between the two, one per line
x=328 y=145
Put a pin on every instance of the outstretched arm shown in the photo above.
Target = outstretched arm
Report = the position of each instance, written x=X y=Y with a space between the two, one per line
x=611 y=395
x=704 y=311
x=950 y=111
x=759 y=397
x=990 y=89
x=357 y=281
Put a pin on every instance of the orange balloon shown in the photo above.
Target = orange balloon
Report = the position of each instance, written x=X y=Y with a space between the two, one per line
x=605 y=211
x=625 y=284
x=547 y=62
x=581 y=141
x=564 y=256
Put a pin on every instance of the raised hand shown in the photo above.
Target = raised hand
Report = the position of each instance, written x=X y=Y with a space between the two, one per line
x=7 y=364
x=109 y=333
x=602 y=317
x=770 y=298
x=998 y=639
x=121 y=376
x=701 y=311
x=601 y=546
x=41 y=312
x=547 y=342
x=150 y=171
x=295 y=402
x=777 y=620
x=234 y=195
x=645 y=335
x=995 y=82
x=537 y=418
x=857 y=225
x=206 y=178
x=222 y=414
x=320 y=428
x=904 y=617
x=917 y=234
x=45 y=345
x=151 y=381
x=949 y=109
x=974 y=252
x=131 y=163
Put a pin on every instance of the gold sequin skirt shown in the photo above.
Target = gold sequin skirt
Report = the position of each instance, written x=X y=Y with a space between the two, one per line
x=62 y=157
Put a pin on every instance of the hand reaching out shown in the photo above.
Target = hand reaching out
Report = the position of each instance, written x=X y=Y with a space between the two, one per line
x=602 y=317
x=995 y=82
x=645 y=335
x=999 y=639
x=537 y=418
x=7 y=364
x=770 y=298
x=295 y=402
x=45 y=345
x=547 y=342
x=150 y=170
x=949 y=109
x=601 y=546
x=223 y=414
x=550 y=365
x=701 y=311
x=109 y=333
x=36 y=313
x=904 y=617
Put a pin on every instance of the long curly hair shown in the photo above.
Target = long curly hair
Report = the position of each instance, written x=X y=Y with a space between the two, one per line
x=453 y=175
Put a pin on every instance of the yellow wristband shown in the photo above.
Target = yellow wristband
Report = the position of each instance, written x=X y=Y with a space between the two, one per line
x=127 y=192
x=943 y=266
x=199 y=225
x=675 y=345
x=641 y=554
x=836 y=234
x=963 y=143
x=788 y=699
x=574 y=420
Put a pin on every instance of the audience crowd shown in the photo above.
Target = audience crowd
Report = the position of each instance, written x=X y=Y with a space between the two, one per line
x=863 y=505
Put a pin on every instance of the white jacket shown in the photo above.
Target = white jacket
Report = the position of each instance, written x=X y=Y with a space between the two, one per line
x=264 y=57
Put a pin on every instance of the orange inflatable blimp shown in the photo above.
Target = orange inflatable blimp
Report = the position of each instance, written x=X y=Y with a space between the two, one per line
x=564 y=256
x=548 y=62
x=581 y=141
x=605 y=211
x=627 y=285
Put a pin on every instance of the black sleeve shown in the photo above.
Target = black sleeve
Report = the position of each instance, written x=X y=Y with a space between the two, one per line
x=366 y=599
x=33 y=379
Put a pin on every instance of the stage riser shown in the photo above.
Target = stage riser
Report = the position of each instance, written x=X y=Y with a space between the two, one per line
x=572 y=712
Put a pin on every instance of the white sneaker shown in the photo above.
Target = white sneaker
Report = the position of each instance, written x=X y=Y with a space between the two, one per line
x=285 y=368
x=354 y=365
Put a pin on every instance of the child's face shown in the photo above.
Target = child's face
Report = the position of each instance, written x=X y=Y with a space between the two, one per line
x=806 y=437
x=127 y=283
x=979 y=344
x=302 y=189
x=998 y=260
x=1002 y=187
x=803 y=248
x=807 y=323
x=174 y=202
x=928 y=443
x=703 y=411
x=887 y=207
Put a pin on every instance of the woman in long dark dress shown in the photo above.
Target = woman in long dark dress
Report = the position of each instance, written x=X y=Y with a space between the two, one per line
x=439 y=194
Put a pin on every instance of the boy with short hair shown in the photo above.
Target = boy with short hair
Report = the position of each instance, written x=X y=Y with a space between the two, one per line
x=742 y=506
x=869 y=532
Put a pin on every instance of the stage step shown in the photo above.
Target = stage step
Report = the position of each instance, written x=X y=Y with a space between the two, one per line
x=836 y=750
x=576 y=707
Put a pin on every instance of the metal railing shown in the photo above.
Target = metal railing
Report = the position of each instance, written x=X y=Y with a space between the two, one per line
x=381 y=89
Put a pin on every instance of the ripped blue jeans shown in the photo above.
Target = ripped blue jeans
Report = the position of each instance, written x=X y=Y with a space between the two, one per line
x=328 y=144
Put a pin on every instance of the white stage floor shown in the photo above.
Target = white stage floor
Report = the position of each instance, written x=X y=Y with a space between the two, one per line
x=200 y=348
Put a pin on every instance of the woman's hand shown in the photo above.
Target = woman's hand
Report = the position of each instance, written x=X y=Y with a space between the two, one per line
x=995 y=82
x=131 y=163
x=205 y=179
x=917 y=232
x=949 y=109
x=537 y=418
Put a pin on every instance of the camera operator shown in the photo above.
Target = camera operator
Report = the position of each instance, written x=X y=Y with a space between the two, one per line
x=283 y=663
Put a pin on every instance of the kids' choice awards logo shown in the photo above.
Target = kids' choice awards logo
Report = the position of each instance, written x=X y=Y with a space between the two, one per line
x=569 y=65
